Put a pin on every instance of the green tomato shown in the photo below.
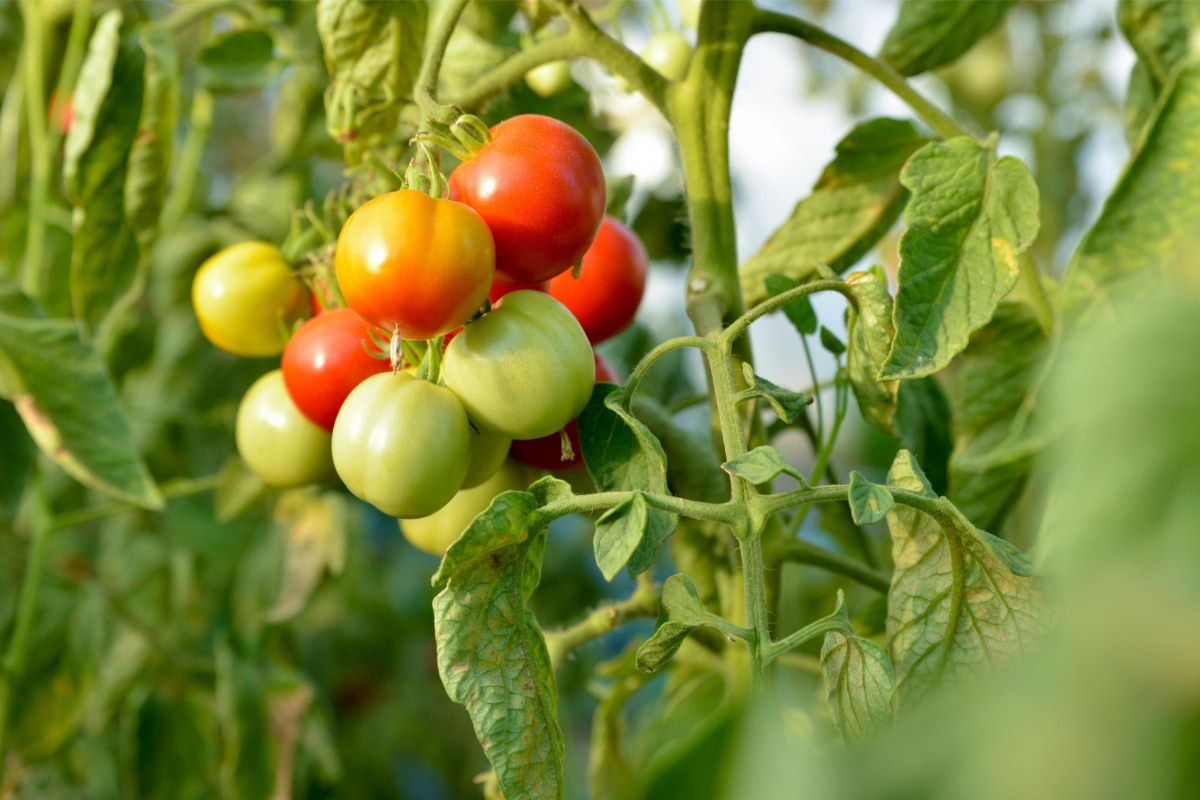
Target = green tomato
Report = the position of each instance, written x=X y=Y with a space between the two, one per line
x=243 y=295
x=488 y=451
x=525 y=369
x=277 y=441
x=669 y=53
x=434 y=534
x=402 y=444
x=549 y=79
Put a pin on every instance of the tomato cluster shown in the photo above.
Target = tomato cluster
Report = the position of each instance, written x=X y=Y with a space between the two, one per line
x=522 y=238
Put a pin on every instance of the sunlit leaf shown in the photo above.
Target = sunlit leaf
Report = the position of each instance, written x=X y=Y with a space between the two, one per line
x=869 y=335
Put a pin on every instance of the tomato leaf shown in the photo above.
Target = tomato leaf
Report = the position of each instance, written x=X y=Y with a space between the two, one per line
x=1151 y=216
x=237 y=60
x=108 y=109
x=799 y=311
x=859 y=685
x=761 y=465
x=17 y=455
x=869 y=336
x=150 y=155
x=923 y=421
x=788 y=405
x=956 y=604
x=1158 y=30
x=618 y=533
x=680 y=612
x=970 y=219
x=831 y=342
x=854 y=203
x=238 y=490
x=548 y=488
x=992 y=393
x=313 y=527
x=492 y=656
x=62 y=391
x=693 y=470
x=619 y=190
x=869 y=502
x=241 y=709
x=932 y=33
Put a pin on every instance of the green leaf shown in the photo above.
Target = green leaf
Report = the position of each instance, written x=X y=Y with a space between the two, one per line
x=923 y=422
x=869 y=336
x=693 y=470
x=504 y=523
x=762 y=464
x=548 y=488
x=619 y=190
x=970 y=219
x=799 y=311
x=858 y=685
x=932 y=33
x=1140 y=99
x=17 y=456
x=854 y=203
x=468 y=57
x=239 y=489
x=63 y=393
x=869 y=502
x=618 y=534
x=788 y=405
x=237 y=61
x=1159 y=31
x=108 y=107
x=1150 y=220
x=831 y=342
x=680 y=612
x=150 y=155
x=955 y=607
x=991 y=391
x=492 y=659
x=247 y=750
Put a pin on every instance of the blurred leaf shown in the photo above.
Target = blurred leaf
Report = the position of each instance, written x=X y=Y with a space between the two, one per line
x=869 y=336
x=1159 y=32
x=108 y=109
x=619 y=190
x=1140 y=99
x=923 y=422
x=176 y=740
x=831 y=342
x=16 y=455
x=314 y=526
x=853 y=204
x=238 y=490
x=799 y=311
x=468 y=57
x=858 y=685
x=970 y=218
x=548 y=489
x=1151 y=221
x=63 y=393
x=120 y=667
x=693 y=470
x=932 y=33
x=680 y=611
x=247 y=750
x=955 y=607
x=492 y=656
x=991 y=390
x=788 y=405
x=150 y=155
x=609 y=774
x=869 y=502
x=237 y=61
x=761 y=465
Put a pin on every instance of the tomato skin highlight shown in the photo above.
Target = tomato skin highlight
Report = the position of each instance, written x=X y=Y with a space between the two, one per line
x=325 y=359
x=414 y=264
x=540 y=187
x=276 y=441
x=239 y=295
x=606 y=295
x=524 y=370
x=435 y=533
x=401 y=444
x=546 y=452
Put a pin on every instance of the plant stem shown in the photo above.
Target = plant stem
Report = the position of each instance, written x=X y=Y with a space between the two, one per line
x=725 y=513
x=1037 y=293
x=794 y=640
x=774 y=22
x=642 y=603
x=81 y=23
x=802 y=552
x=437 y=41
x=514 y=68
x=643 y=366
x=739 y=326
x=180 y=197
x=39 y=149
x=18 y=648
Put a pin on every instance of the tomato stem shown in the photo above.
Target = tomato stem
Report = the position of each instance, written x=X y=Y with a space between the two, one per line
x=427 y=80
x=33 y=273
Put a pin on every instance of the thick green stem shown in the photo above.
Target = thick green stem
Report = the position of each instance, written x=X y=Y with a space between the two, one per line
x=34 y=271
x=437 y=41
x=802 y=552
x=773 y=22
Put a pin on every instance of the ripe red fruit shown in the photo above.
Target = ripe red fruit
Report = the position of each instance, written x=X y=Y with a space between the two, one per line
x=606 y=295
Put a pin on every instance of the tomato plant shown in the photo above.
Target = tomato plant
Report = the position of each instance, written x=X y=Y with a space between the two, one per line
x=275 y=439
x=524 y=370
x=245 y=298
x=539 y=186
x=548 y=452
x=402 y=444
x=413 y=264
x=325 y=359
x=606 y=295
x=436 y=532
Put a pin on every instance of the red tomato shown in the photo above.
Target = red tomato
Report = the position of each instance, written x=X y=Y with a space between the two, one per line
x=546 y=452
x=540 y=187
x=416 y=265
x=605 y=296
x=325 y=360
x=500 y=289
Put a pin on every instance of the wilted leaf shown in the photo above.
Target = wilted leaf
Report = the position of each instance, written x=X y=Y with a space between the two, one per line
x=869 y=336
x=858 y=685
x=314 y=527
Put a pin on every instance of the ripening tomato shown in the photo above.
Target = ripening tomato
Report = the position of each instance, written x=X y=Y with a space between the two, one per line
x=669 y=53
x=244 y=296
x=606 y=295
x=325 y=359
x=402 y=444
x=540 y=187
x=276 y=441
x=547 y=452
x=524 y=370
x=434 y=534
x=414 y=264
x=488 y=451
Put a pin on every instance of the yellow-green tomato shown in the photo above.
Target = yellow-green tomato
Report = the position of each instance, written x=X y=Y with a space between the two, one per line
x=402 y=444
x=525 y=369
x=434 y=534
x=277 y=441
x=550 y=78
x=488 y=451
x=670 y=53
x=242 y=294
